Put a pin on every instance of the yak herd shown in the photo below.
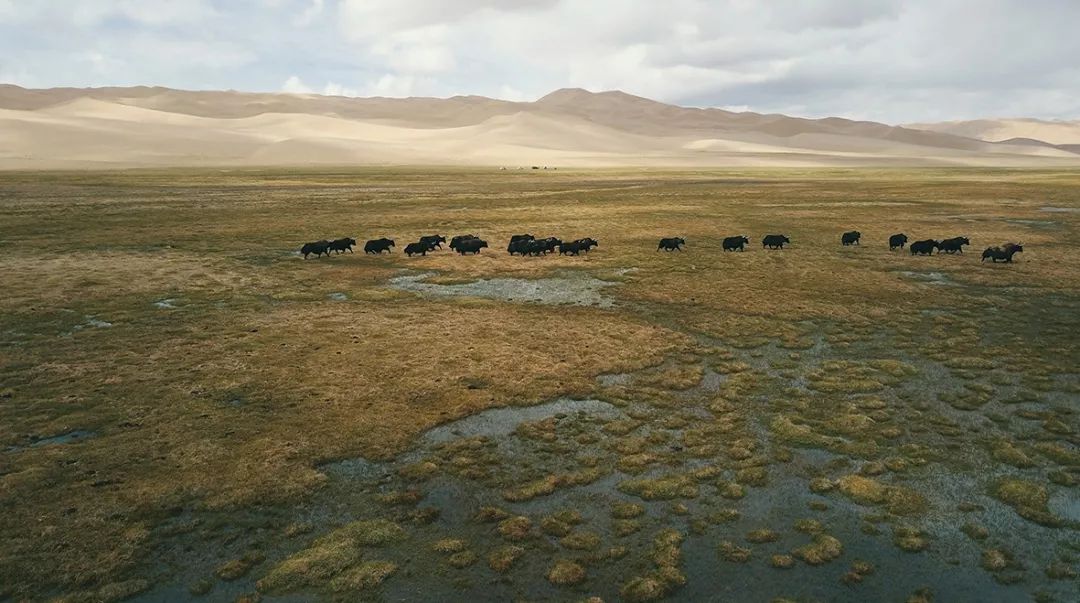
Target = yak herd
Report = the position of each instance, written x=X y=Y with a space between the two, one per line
x=523 y=245
x=997 y=253
x=529 y=245
x=1003 y=253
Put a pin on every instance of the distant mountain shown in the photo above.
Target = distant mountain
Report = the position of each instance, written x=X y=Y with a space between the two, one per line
x=151 y=126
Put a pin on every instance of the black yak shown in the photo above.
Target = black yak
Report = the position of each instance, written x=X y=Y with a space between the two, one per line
x=548 y=244
x=735 y=243
x=775 y=241
x=378 y=245
x=671 y=244
x=897 y=240
x=318 y=248
x=471 y=246
x=588 y=243
x=924 y=247
x=850 y=238
x=537 y=247
x=954 y=245
x=454 y=242
x=520 y=246
x=1004 y=253
x=414 y=248
x=433 y=242
x=571 y=248
x=576 y=247
x=342 y=245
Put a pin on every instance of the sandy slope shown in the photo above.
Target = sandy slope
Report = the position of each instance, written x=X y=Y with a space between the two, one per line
x=1052 y=132
x=122 y=127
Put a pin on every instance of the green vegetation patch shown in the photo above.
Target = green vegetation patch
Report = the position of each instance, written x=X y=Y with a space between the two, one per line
x=364 y=577
x=566 y=572
x=667 y=487
x=868 y=491
x=331 y=555
x=502 y=559
x=822 y=549
x=1029 y=499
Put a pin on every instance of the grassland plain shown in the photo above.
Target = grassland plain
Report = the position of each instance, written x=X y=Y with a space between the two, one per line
x=189 y=409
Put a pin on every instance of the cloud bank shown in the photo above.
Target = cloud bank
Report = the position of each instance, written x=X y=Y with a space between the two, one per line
x=887 y=60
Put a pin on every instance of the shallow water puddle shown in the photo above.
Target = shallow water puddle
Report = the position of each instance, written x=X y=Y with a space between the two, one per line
x=614 y=379
x=578 y=290
x=1035 y=223
x=1053 y=209
x=1065 y=504
x=492 y=423
x=89 y=322
x=500 y=422
x=930 y=278
x=69 y=437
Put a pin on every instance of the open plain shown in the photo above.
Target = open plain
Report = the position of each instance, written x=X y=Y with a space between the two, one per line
x=189 y=409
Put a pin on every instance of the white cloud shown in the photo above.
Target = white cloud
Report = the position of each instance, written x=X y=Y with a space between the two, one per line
x=511 y=93
x=194 y=53
x=421 y=50
x=310 y=14
x=147 y=12
x=392 y=85
x=101 y=64
x=294 y=85
x=335 y=89
x=366 y=19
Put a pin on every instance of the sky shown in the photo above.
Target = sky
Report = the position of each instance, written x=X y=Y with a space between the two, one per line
x=896 y=61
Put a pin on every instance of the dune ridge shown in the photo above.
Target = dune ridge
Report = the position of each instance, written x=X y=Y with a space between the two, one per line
x=1052 y=132
x=161 y=127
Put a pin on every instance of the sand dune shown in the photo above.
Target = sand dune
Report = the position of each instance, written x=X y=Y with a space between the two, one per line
x=152 y=127
x=996 y=130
